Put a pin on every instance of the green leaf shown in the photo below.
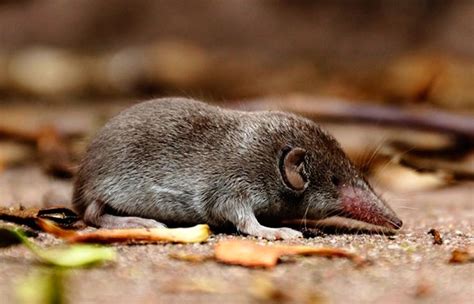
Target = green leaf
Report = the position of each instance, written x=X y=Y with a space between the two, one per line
x=77 y=255
x=70 y=256
x=42 y=287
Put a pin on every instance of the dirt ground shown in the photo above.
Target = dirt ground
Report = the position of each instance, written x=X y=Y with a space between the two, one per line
x=406 y=267
x=65 y=69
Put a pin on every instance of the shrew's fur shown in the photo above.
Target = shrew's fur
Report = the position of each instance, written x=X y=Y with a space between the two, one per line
x=182 y=162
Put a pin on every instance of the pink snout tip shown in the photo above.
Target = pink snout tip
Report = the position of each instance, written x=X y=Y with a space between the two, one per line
x=364 y=205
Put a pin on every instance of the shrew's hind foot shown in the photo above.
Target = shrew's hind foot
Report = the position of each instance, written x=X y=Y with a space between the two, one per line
x=96 y=215
x=119 y=222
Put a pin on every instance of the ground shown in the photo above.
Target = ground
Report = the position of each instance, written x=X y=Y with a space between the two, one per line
x=406 y=268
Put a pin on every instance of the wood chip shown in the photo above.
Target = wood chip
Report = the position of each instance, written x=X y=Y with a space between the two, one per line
x=437 y=239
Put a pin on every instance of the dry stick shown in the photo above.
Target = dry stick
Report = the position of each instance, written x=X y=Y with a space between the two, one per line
x=423 y=118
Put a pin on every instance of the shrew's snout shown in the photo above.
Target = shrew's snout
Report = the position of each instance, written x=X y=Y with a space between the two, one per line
x=364 y=205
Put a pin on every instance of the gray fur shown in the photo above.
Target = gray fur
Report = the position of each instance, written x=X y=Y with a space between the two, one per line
x=182 y=162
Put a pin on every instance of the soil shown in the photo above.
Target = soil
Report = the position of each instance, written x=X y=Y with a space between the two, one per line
x=407 y=267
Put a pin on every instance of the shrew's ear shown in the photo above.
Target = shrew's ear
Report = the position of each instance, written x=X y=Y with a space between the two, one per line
x=293 y=168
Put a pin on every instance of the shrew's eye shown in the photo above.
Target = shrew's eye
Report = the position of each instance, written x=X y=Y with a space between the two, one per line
x=336 y=181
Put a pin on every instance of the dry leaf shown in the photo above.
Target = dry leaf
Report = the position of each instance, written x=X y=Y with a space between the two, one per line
x=460 y=256
x=196 y=234
x=19 y=216
x=64 y=217
x=251 y=254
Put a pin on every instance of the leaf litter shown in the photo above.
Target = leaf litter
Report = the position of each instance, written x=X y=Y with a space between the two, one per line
x=235 y=252
x=196 y=234
x=461 y=256
x=78 y=255
x=251 y=254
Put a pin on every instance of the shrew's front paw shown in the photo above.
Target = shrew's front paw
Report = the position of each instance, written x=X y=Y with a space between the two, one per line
x=277 y=233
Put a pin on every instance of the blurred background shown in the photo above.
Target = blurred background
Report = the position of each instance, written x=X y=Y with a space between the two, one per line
x=398 y=51
x=392 y=80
